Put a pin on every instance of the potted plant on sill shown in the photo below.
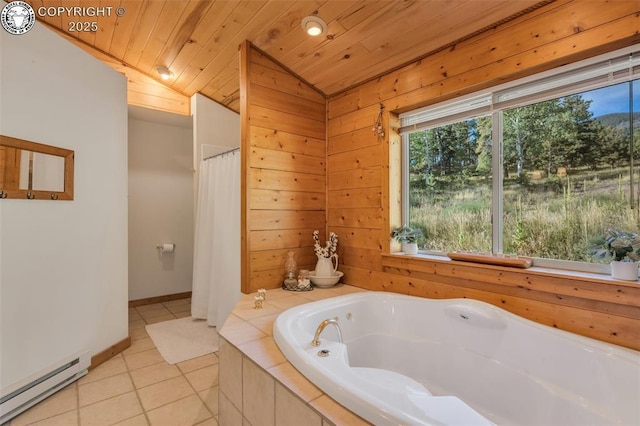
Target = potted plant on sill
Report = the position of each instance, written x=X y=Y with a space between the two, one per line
x=408 y=237
x=624 y=248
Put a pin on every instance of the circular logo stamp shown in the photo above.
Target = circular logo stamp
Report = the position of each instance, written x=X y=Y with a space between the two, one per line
x=17 y=17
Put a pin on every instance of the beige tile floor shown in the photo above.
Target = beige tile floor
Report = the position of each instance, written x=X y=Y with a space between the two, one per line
x=137 y=387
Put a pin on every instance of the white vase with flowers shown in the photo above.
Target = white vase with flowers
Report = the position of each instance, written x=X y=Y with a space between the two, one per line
x=327 y=264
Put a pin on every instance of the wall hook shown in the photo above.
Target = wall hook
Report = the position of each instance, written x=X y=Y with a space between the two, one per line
x=30 y=196
x=54 y=196
x=3 y=194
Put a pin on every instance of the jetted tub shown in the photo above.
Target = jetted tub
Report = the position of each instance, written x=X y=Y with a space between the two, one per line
x=414 y=361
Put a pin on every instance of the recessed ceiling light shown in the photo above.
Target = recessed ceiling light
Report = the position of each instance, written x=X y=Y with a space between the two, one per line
x=314 y=25
x=164 y=72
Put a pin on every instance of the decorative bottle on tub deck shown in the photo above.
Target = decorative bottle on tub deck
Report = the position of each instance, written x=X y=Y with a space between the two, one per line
x=290 y=265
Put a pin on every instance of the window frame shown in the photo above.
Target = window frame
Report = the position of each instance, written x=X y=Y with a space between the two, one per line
x=605 y=70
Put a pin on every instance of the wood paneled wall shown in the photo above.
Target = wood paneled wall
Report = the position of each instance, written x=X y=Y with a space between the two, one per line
x=363 y=178
x=283 y=137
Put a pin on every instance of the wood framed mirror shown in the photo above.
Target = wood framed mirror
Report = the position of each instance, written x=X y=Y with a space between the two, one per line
x=35 y=171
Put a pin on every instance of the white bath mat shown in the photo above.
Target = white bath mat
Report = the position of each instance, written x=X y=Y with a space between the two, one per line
x=182 y=339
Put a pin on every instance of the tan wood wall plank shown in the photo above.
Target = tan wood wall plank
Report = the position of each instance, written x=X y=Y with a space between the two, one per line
x=287 y=181
x=281 y=239
x=358 y=257
x=344 y=103
x=263 y=117
x=352 y=141
x=375 y=280
x=152 y=88
x=292 y=219
x=356 y=217
x=284 y=82
x=355 y=198
x=359 y=178
x=274 y=260
x=286 y=161
x=267 y=279
x=266 y=199
x=159 y=103
x=358 y=237
x=288 y=142
x=276 y=100
x=370 y=156
x=363 y=118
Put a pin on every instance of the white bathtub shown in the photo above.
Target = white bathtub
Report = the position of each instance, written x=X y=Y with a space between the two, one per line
x=414 y=361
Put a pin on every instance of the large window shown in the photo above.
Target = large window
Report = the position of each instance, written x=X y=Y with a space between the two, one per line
x=540 y=168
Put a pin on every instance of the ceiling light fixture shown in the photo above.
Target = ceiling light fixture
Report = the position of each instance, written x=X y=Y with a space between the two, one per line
x=314 y=25
x=164 y=72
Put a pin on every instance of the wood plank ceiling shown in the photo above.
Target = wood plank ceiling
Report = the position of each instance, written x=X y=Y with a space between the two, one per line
x=198 y=40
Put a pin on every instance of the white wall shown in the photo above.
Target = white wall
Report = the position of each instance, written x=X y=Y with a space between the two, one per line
x=63 y=264
x=215 y=128
x=160 y=203
x=213 y=124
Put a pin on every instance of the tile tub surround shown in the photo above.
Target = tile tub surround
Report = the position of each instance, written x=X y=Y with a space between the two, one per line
x=257 y=385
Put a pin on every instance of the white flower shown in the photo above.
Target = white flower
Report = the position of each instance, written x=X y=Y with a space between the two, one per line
x=330 y=247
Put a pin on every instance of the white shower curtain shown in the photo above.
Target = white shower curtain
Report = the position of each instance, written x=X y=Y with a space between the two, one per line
x=216 y=258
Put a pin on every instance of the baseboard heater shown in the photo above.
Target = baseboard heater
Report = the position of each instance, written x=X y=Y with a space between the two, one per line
x=28 y=392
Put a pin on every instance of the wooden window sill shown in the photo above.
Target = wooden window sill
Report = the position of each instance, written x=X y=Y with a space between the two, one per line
x=429 y=263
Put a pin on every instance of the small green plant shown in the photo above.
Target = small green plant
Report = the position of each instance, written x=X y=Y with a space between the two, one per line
x=620 y=245
x=406 y=234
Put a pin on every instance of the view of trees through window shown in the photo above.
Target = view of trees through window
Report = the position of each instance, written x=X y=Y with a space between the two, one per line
x=568 y=168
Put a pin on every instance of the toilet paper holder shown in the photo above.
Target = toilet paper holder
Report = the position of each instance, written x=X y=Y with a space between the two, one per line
x=166 y=247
